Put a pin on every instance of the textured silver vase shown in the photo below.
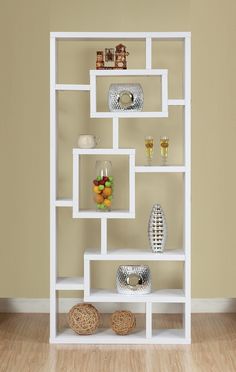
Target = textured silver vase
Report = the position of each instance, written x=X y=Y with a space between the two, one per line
x=157 y=229
x=125 y=97
x=133 y=279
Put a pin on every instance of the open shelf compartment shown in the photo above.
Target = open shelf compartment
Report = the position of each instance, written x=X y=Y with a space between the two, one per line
x=127 y=73
x=114 y=213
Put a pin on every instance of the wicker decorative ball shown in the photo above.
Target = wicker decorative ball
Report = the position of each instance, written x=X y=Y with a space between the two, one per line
x=84 y=319
x=123 y=322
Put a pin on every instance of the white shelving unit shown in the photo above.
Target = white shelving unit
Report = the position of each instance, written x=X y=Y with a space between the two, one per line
x=147 y=335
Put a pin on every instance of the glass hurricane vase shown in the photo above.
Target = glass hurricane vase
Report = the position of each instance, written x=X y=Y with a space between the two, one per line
x=103 y=185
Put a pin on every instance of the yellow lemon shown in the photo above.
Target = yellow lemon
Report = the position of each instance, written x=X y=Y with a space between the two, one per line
x=107 y=202
x=96 y=190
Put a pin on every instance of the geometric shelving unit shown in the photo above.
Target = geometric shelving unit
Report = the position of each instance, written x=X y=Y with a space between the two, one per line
x=148 y=334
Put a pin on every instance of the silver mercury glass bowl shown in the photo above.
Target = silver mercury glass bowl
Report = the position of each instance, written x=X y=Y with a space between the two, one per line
x=125 y=97
x=133 y=279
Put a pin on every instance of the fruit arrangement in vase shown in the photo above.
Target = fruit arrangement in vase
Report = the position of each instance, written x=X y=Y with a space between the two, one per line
x=103 y=186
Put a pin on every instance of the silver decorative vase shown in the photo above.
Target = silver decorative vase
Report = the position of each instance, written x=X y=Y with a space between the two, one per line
x=133 y=279
x=125 y=97
x=157 y=229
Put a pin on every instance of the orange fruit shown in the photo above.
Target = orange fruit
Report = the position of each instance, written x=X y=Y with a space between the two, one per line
x=107 y=202
x=107 y=191
x=96 y=190
x=98 y=198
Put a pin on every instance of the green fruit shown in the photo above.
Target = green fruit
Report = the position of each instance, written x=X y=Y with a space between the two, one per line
x=99 y=178
x=102 y=206
x=110 y=178
x=98 y=206
x=110 y=197
x=108 y=184
x=101 y=187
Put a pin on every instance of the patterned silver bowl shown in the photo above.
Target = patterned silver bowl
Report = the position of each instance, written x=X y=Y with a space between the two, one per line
x=133 y=279
x=125 y=97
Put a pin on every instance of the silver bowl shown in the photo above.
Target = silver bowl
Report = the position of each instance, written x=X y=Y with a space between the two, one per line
x=133 y=279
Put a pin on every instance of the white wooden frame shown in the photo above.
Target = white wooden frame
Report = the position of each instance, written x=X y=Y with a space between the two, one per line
x=158 y=296
x=128 y=114
x=77 y=213
x=146 y=335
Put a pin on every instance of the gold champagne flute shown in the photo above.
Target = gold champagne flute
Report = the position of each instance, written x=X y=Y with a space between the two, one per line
x=164 y=149
x=149 y=148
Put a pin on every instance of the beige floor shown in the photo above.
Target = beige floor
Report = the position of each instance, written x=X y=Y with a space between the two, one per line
x=24 y=348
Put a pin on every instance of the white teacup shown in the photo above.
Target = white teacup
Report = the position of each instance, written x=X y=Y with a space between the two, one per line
x=87 y=141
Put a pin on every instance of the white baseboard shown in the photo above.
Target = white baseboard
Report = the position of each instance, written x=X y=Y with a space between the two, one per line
x=41 y=305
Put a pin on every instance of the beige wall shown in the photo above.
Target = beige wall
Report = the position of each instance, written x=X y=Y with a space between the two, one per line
x=24 y=246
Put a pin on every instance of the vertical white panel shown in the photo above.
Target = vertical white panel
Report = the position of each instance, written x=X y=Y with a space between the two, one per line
x=164 y=91
x=86 y=277
x=93 y=99
x=53 y=191
x=132 y=184
x=115 y=122
x=187 y=185
x=148 y=320
x=103 y=235
x=148 y=53
x=75 y=185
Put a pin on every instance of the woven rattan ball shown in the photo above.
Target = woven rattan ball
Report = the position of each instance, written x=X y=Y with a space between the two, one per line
x=123 y=322
x=84 y=319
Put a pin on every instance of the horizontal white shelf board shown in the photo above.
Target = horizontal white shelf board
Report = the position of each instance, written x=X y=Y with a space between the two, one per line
x=169 y=336
x=130 y=114
x=96 y=151
x=135 y=255
x=64 y=203
x=82 y=87
x=41 y=305
x=160 y=169
x=112 y=214
x=163 y=295
x=131 y=72
x=102 y=336
x=176 y=102
x=120 y=35
x=107 y=336
x=70 y=283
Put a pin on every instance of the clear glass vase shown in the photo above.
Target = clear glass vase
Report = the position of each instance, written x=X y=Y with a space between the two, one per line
x=103 y=185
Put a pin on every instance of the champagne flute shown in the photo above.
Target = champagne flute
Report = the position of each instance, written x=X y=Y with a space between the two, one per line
x=149 y=148
x=164 y=149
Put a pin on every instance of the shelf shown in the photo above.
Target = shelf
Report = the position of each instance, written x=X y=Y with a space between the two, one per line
x=163 y=298
x=96 y=151
x=102 y=336
x=131 y=72
x=135 y=255
x=107 y=336
x=64 y=203
x=160 y=169
x=119 y=35
x=68 y=283
x=80 y=87
x=130 y=114
x=176 y=102
x=163 y=73
x=91 y=213
x=169 y=336
x=163 y=295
